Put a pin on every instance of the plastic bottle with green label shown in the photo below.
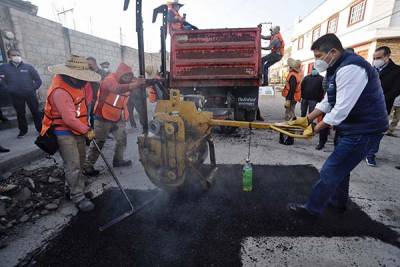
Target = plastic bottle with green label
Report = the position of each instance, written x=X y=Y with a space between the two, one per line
x=247 y=177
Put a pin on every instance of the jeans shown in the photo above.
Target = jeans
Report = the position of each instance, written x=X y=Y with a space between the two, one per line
x=136 y=101
x=290 y=111
x=374 y=149
x=333 y=185
x=268 y=61
x=33 y=105
x=395 y=119
x=307 y=105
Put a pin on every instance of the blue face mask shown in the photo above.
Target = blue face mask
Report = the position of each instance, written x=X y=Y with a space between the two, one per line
x=314 y=72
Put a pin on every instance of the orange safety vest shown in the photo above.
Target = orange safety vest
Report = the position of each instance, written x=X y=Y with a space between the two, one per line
x=278 y=37
x=151 y=95
x=297 y=94
x=111 y=106
x=52 y=117
x=175 y=24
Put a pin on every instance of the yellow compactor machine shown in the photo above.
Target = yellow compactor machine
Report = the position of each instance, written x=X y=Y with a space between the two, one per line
x=180 y=137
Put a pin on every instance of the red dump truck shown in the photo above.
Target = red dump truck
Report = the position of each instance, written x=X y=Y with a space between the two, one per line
x=223 y=65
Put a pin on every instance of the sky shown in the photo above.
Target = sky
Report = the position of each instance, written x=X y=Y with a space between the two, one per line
x=106 y=19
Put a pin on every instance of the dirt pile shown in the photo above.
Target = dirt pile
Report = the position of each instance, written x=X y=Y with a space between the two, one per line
x=32 y=194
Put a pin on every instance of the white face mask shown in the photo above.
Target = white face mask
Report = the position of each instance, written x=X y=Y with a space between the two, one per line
x=105 y=69
x=16 y=59
x=321 y=65
x=378 y=63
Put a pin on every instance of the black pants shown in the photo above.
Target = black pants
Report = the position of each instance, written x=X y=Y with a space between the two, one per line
x=323 y=136
x=19 y=103
x=307 y=105
x=135 y=101
x=268 y=61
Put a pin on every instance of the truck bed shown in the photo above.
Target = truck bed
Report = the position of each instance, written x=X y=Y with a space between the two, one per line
x=216 y=58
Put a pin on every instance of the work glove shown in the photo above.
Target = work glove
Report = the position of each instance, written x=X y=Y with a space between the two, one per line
x=301 y=121
x=309 y=131
x=90 y=135
x=287 y=104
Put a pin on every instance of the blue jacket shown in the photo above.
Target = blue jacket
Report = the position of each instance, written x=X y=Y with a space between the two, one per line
x=20 y=80
x=369 y=115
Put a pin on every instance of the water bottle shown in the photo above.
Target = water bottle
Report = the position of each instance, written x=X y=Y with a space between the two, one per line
x=247 y=177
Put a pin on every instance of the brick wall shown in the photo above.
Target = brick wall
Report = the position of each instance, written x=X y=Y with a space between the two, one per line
x=394 y=45
x=43 y=43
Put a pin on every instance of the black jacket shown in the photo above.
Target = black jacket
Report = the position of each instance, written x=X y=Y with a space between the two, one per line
x=390 y=79
x=20 y=80
x=311 y=88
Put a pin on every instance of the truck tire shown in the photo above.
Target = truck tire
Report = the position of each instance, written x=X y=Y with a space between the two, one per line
x=251 y=115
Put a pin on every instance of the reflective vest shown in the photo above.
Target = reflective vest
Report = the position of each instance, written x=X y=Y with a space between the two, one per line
x=52 y=118
x=151 y=95
x=111 y=106
x=281 y=50
x=297 y=94
x=174 y=20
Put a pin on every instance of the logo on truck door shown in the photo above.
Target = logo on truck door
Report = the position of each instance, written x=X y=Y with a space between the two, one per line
x=247 y=101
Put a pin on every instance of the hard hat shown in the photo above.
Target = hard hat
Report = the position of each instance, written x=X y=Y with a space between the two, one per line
x=174 y=2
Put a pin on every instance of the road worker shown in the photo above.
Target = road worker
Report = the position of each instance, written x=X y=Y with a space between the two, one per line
x=111 y=113
x=175 y=21
x=66 y=114
x=277 y=47
x=292 y=94
x=355 y=105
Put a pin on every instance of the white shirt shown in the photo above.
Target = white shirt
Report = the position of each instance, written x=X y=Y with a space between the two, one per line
x=350 y=83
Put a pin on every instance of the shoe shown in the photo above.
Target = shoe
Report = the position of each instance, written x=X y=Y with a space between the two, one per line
x=122 y=163
x=21 y=134
x=85 y=205
x=319 y=147
x=6 y=187
x=300 y=211
x=337 y=209
x=289 y=141
x=4 y=150
x=371 y=161
x=90 y=171
x=391 y=134
x=397 y=167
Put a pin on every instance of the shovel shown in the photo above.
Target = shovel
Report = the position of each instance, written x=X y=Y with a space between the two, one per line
x=132 y=209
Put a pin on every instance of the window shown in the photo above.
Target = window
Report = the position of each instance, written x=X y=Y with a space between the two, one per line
x=357 y=12
x=300 y=42
x=316 y=33
x=333 y=24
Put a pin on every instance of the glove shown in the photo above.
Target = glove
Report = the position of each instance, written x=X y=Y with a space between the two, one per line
x=90 y=135
x=309 y=131
x=301 y=121
x=287 y=104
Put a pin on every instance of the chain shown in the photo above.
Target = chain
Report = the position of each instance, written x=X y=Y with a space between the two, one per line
x=248 y=153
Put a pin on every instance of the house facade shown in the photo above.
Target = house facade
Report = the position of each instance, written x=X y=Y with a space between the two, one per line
x=362 y=25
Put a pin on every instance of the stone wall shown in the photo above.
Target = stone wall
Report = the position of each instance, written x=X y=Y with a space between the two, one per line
x=43 y=43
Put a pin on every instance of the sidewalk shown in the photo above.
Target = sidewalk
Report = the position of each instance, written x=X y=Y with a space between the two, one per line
x=22 y=151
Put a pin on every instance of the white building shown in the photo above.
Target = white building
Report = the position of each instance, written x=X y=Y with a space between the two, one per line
x=363 y=25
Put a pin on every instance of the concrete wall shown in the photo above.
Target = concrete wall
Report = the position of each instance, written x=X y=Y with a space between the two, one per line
x=43 y=43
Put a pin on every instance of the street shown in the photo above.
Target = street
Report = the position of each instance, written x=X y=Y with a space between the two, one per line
x=366 y=235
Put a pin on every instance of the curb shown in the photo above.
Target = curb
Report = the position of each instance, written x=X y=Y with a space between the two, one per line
x=19 y=161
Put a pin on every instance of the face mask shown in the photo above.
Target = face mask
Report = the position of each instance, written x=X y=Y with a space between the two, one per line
x=378 y=63
x=105 y=69
x=321 y=65
x=314 y=72
x=16 y=59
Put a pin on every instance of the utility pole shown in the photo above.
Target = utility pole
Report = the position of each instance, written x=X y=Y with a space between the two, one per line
x=64 y=13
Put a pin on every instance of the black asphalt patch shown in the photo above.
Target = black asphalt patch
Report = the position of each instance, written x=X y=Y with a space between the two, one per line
x=194 y=228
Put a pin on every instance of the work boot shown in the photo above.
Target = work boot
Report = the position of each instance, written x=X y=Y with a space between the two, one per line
x=300 y=211
x=319 y=147
x=398 y=167
x=4 y=150
x=6 y=187
x=90 y=171
x=85 y=205
x=122 y=163
x=4 y=119
x=21 y=134
x=289 y=141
